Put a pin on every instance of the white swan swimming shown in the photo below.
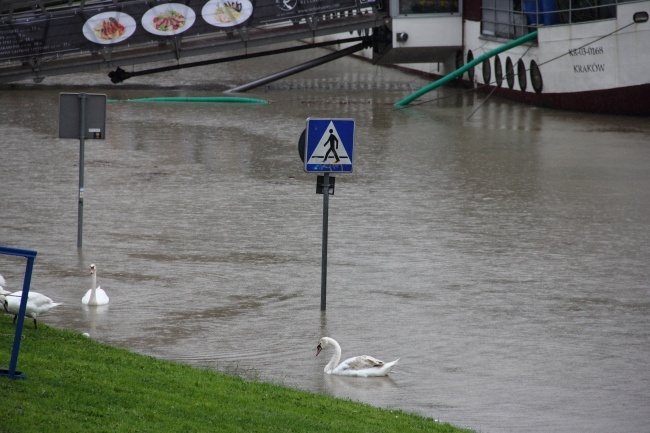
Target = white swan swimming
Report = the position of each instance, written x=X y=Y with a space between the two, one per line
x=95 y=295
x=37 y=304
x=363 y=365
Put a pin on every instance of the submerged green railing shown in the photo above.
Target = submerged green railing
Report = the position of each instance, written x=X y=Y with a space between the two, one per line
x=211 y=99
x=458 y=72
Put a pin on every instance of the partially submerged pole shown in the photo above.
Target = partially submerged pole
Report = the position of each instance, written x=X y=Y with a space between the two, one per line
x=299 y=68
x=82 y=146
x=323 y=278
x=119 y=74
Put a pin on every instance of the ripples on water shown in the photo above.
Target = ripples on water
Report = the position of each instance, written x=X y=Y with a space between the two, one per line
x=501 y=254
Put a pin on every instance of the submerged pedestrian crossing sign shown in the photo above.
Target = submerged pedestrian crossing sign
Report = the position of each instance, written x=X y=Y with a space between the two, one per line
x=329 y=145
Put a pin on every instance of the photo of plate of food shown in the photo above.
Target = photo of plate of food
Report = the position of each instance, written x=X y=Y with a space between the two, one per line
x=109 y=27
x=168 y=19
x=226 y=13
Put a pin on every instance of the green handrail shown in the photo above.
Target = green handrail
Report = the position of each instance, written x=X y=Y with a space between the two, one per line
x=458 y=72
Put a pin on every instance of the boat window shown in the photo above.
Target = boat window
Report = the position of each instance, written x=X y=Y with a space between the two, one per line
x=536 y=77
x=470 y=71
x=498 y=72
x=510 y=73
x=521 y=75
x=487 y=71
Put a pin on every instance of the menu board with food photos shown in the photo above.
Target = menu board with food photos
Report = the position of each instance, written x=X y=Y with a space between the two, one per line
x=88 y=28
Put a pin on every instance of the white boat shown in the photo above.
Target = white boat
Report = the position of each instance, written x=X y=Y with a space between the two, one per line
x=588 y=55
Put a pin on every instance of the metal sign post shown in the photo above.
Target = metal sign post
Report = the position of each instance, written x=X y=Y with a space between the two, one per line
x=326 y=146
x=82 y=116
x=323 y=274
x=82 y=148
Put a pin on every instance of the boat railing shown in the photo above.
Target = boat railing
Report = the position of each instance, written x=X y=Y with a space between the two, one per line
x=515 y=18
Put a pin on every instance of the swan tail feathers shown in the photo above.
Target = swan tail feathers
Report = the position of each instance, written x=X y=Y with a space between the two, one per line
x=389 y=365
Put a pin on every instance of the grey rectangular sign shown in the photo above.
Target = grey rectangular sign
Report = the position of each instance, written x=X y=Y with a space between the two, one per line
x=70 y=115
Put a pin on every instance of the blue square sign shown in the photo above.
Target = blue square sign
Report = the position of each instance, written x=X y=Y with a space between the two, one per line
x=329 y=145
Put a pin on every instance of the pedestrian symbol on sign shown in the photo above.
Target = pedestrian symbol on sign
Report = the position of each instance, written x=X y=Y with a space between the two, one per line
x=334 y=144
x=329 y=145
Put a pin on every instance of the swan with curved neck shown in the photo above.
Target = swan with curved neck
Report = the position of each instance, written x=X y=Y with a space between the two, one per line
x=95 y=295
x=364 y=365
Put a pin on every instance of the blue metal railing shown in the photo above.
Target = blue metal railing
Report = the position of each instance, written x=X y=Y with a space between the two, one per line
x=30 y=255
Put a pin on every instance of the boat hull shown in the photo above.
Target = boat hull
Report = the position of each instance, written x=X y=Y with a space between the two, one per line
x=598 y=66
x=630 y=101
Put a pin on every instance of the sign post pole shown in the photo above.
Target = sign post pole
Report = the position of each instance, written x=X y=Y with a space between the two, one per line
x=81 y=116
x=326 y=146
x=82 y=134
x=323 y=278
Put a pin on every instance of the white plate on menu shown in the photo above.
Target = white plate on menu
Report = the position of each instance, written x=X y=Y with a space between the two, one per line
x=109 y=27
x=168 y=19
x=226 y=13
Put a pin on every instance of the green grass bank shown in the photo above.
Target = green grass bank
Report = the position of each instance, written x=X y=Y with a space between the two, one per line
x=75 y=384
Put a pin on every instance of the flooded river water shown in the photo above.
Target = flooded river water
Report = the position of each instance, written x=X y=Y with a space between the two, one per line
x=501 y=251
